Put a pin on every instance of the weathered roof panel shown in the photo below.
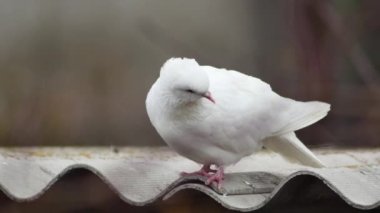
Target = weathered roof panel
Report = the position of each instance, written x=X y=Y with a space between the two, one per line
x=144 y=175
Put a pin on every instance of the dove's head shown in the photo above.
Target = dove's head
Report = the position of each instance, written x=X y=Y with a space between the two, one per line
x=185 y=80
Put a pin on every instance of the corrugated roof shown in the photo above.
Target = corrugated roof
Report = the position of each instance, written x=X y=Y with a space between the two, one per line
x=143 y=175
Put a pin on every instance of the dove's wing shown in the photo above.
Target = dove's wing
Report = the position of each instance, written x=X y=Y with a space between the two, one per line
x=289 y=146
x=293 y=115
x=253 y=98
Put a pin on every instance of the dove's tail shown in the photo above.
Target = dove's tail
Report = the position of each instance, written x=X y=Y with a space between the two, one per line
x=289 y=146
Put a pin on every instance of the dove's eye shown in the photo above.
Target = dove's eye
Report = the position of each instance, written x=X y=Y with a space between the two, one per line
x=190 y=91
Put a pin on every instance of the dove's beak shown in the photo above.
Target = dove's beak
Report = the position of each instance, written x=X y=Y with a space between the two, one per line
x=209 y=97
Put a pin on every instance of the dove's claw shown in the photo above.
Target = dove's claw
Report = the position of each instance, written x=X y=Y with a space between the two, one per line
x=212 y=175
x=204 y=171
x=217 y=177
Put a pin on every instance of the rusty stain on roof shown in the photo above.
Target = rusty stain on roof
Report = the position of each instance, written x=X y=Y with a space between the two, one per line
x=143 y=175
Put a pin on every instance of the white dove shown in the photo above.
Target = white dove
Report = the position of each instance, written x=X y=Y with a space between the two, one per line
x=217 y=116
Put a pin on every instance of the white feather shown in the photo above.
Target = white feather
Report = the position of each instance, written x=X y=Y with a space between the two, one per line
x=289 y=146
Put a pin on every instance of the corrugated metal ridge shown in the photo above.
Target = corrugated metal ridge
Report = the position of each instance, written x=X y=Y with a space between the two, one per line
x=144 y=175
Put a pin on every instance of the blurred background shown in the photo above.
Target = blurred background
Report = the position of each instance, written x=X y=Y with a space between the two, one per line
x=77 y=72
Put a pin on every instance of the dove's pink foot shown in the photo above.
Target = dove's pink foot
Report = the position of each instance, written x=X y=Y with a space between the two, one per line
x=217 y=177
x=204 y=171
x=212 y=175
